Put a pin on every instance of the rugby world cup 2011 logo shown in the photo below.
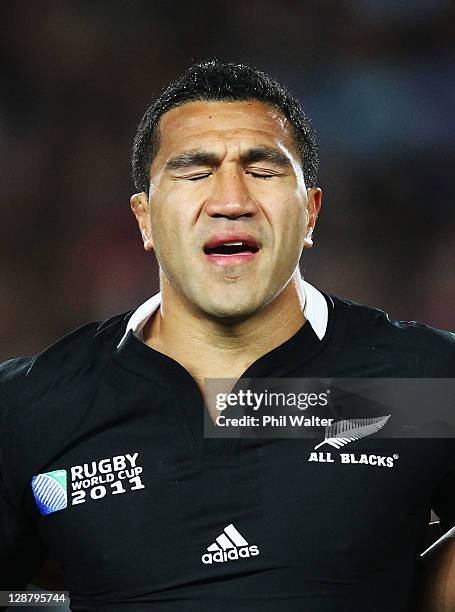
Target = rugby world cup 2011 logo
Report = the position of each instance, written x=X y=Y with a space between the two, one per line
x=50 y=491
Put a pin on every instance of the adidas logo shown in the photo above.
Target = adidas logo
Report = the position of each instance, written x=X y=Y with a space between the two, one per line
x=229 y=546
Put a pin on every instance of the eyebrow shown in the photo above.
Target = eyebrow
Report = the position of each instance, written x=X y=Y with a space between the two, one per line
x=267 y=154
x=191 y=158
x=206 y=158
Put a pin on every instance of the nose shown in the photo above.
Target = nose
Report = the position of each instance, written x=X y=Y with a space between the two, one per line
x=230 y=196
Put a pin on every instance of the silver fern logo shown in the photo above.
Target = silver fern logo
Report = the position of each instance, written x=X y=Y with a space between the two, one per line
x=343 y=432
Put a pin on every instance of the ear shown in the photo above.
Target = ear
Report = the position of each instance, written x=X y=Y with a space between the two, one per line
x=140 y=207
x=314 y=206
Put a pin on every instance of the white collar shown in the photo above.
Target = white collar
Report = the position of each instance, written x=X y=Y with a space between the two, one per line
x=314 y=306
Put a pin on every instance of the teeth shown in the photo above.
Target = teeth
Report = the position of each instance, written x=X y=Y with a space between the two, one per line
x=234 y=247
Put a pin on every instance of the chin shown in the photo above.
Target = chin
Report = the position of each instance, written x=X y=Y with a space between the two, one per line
x=230 y=312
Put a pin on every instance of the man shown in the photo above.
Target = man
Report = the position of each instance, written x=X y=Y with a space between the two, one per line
x=105 y=467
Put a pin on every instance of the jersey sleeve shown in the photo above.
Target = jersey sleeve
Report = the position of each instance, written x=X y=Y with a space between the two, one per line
x=442 y=364
x=444 y=496
x=21 y=551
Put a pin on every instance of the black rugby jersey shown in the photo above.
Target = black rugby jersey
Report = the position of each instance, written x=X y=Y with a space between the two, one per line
x=104 y=467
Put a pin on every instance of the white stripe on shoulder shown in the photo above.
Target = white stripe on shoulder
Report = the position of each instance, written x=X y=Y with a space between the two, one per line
x=316 y=310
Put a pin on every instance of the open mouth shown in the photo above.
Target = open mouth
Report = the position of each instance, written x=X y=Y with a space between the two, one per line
x=232 y=249
x=228 y=249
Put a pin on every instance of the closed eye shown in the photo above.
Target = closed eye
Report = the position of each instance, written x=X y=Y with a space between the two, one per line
x=260 y=175
x=197 y=177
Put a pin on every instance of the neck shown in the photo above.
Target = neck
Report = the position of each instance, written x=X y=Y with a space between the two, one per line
x=212 y=348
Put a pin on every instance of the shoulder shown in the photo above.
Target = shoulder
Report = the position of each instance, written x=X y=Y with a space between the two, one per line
x=67 y=359
x=431 y=348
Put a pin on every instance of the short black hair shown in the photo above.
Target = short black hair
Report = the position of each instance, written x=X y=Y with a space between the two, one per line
x=218 y=81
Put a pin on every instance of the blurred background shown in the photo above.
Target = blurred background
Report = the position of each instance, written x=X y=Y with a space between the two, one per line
x=376 y=77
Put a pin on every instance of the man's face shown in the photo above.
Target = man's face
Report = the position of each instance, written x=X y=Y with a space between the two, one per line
x=227 y=173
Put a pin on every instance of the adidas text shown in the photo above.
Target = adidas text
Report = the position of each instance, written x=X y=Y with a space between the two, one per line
x=221 y=556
